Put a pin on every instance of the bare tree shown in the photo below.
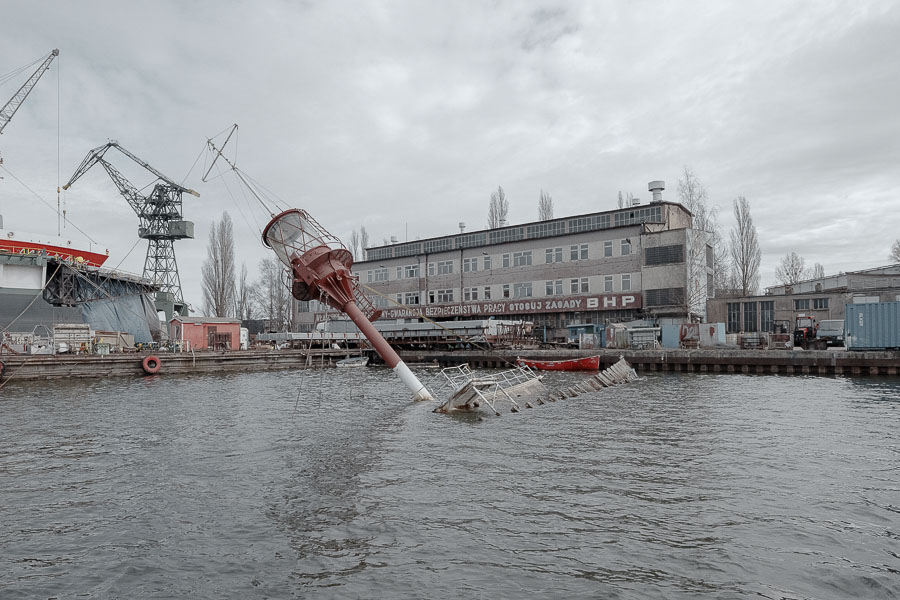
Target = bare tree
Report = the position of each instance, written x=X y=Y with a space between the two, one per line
x=746 y=255
x=704 y=242
x=363 y=242
x=791 y=270
x=243 y=297
x=218 y=269
x=545 y=207
x=272 y=295
x=817 y=272
x=497 y=209
x=354 y=245
x=625 y=200
x=895 y=251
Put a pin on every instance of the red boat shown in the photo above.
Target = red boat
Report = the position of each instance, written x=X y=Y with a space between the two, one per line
x=588 y=363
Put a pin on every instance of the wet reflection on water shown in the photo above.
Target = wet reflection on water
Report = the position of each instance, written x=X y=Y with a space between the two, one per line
x=331 y=484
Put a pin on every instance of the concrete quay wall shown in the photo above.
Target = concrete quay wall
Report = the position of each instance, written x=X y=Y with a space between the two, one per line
x=784 y=362
x=28 y=367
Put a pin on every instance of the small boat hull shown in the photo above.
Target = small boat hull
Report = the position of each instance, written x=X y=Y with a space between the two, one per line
x=588 y=363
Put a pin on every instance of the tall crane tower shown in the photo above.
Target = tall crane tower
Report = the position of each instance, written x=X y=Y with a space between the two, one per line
x=161 y=223
x=10 y=108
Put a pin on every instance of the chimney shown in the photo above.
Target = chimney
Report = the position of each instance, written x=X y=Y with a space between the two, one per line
x=462 y=227
x=657 y=188
x=393 y=239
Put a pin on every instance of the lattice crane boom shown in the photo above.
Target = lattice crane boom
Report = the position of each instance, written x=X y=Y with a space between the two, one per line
x=10 y=108
x=160 y=216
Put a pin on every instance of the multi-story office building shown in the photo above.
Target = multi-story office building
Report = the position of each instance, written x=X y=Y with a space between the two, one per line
x=618 y=265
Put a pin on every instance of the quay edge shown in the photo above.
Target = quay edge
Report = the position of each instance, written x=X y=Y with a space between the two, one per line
x=780 y=362
x=60 y=366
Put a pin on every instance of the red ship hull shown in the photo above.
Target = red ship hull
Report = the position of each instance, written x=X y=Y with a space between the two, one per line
x=13 y=246
x=588 y=363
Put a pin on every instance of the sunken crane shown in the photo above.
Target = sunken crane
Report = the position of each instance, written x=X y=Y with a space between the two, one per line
x=320 y=266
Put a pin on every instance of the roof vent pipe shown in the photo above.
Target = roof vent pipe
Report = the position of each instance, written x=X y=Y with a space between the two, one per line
x=657 y=188
x=462 y=227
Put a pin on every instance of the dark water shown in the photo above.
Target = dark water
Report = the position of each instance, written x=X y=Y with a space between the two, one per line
x=677 y=486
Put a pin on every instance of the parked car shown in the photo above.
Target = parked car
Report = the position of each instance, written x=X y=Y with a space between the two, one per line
x=830 y=333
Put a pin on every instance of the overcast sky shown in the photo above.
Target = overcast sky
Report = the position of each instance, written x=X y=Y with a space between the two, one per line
x=405 y=116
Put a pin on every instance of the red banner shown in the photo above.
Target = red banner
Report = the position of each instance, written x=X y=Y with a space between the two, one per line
x=518 y=306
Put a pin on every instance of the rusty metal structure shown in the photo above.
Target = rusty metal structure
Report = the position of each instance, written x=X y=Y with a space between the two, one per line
x=320 y=266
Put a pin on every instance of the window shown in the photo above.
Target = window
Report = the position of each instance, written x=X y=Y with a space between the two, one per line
x=579 y=252
x=470 y=294
x=734 y=318
x=368 y=276
x=487 y=262
x=608 y=283
x=412 y=271
x=591 y=223
x=663 y=255
x=411 y=298
x=607 y=249
x=801 y=304
x=665 y=297
x=626 y=282
x=767 y=315
x=554 y=288
x=445 y=267
x=750 y=316
x=431 y=269
x=381 y=274
x=444 y=295
x=626 y=247
x=399 y=298
x=545 y=229
x=579 y=285
x=522 y=290
x=522 y=259
x=820 y=303
x=437 y=245
x=506 y=290
x=506 y=261
x=399 y=272
x=553 y=255
x=487 y=292
x=470 y=265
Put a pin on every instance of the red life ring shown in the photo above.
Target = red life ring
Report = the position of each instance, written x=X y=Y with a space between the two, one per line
x=151 y=365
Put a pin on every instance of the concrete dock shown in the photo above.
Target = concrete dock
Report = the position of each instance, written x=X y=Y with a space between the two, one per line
x=763 y=362
x=782 y=362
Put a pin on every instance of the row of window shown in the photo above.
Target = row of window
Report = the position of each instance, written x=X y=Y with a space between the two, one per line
x=557 y=287
x=524 y=258
x=628 y=216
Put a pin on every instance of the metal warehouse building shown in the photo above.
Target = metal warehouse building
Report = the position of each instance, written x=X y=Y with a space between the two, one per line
x=603 y=267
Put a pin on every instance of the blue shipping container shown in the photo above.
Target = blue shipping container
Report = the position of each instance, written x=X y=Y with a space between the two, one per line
x=873 y=326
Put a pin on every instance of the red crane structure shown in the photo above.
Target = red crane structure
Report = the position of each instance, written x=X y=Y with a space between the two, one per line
x=319 y=265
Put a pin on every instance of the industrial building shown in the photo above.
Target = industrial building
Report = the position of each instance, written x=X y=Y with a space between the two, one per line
x=205 y=333
x=612 y=266
x=823 y=298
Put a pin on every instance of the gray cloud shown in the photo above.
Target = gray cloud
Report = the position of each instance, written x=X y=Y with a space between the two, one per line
x=403 y=117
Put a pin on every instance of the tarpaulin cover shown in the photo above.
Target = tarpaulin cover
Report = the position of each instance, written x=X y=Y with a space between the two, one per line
x=132 y=314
